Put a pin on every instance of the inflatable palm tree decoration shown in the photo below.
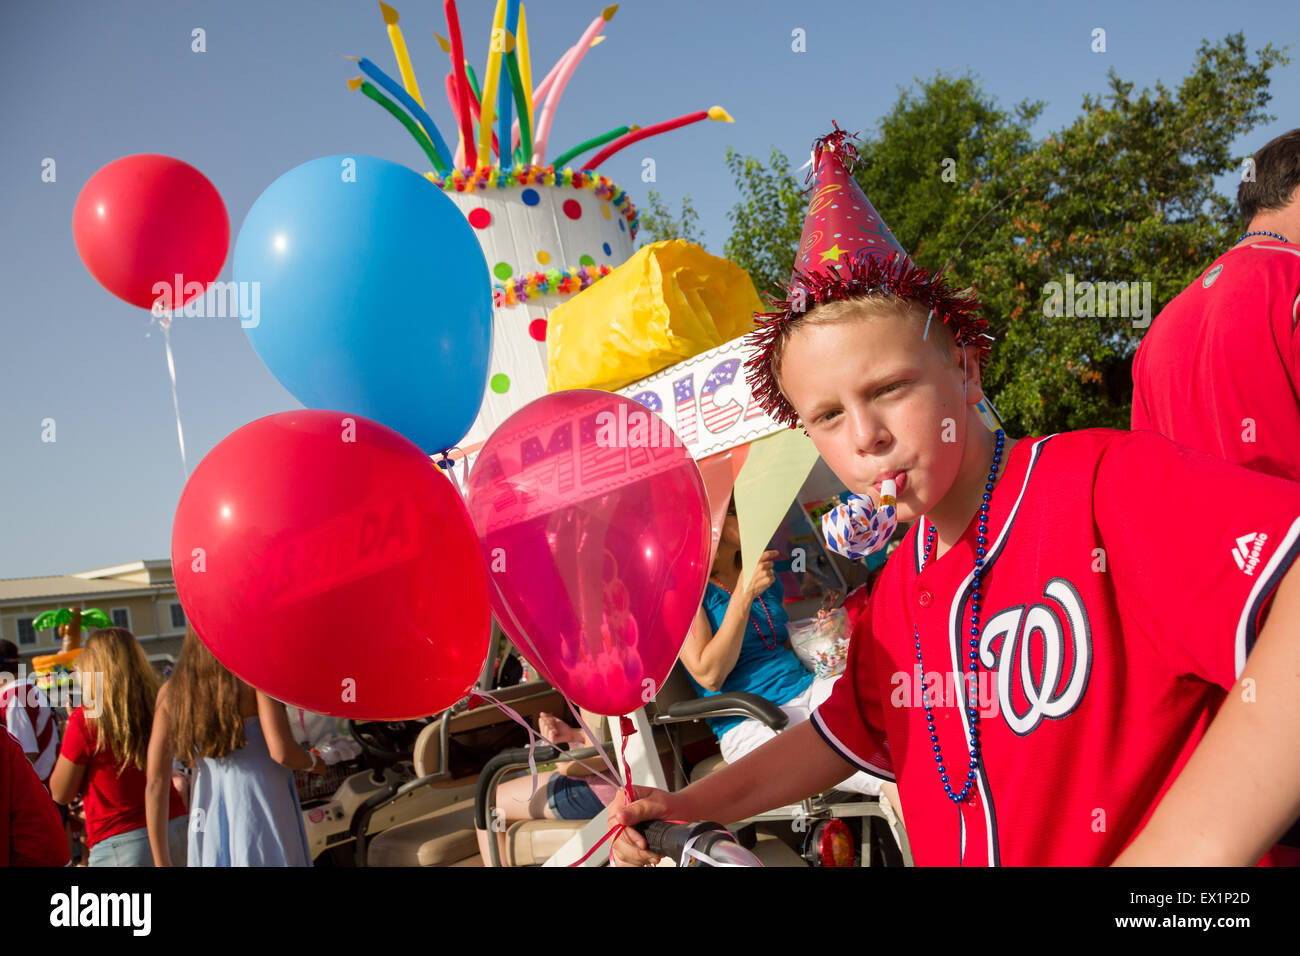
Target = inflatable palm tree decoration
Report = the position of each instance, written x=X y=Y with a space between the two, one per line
x=69 y=622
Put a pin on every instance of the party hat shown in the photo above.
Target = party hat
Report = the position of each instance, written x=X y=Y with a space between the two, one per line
x=841 y=224
x=846 y=250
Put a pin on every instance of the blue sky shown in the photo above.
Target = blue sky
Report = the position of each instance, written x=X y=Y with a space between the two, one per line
x=89 y=82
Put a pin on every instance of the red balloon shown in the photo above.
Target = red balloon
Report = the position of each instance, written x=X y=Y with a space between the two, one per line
x=145 y=219
x=325 y=560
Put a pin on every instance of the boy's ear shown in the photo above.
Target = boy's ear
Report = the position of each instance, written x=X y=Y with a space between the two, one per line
x=968 y=358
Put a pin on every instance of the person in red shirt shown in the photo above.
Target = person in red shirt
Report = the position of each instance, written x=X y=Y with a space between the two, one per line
x=31 y=833
x=1062 y=658
x=26 y=712
x=1219 y=369
x=104 y=752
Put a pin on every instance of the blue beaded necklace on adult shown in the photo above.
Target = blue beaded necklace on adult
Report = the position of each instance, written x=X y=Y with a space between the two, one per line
x=972 y=674
x=1262 y=232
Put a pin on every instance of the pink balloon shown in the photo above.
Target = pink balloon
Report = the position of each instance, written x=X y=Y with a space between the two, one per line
x=593 y=520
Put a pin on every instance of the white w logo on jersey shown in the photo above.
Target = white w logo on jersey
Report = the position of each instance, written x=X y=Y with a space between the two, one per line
x=1017 y=627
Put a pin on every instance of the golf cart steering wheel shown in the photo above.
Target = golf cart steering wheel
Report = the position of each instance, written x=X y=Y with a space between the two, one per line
x=386 y=740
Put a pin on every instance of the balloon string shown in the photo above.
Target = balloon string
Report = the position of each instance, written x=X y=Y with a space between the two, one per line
x=448 y=464
x=627 y=728
x=520 y=632
x=689 y=851
x=591 y=735
x=533 y=737
x=165 y=323
x=613 y=831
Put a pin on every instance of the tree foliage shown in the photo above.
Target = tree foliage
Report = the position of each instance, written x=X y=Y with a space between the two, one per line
x=767 y=220
x=658 y=222
x=1123 y=193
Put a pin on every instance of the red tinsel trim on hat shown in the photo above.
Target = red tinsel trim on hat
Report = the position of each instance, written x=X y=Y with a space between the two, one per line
x=839 y=144
x=865 y=274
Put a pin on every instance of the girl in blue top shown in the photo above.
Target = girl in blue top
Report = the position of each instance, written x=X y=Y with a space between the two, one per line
x=740 y=642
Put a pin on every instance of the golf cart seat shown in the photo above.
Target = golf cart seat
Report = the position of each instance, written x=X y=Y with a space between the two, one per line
x=531 y=842
x=707 y=766
x=442 y=838
x=445 y=836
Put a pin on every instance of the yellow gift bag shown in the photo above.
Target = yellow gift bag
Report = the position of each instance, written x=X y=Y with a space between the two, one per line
x=669 y=302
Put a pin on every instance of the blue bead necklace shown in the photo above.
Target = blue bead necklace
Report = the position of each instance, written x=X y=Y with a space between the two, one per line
x=972 y=674
x=1262 y=232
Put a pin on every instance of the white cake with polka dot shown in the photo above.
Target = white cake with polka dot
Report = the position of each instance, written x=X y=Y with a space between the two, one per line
x=544 y=243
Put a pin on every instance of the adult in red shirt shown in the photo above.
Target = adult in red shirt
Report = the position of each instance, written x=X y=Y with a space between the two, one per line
x=104 y=753
x=1219 y=370
x=31 y=833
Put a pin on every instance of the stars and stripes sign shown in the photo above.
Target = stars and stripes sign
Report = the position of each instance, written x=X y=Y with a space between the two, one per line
x=725 y=407
x=720 y=417
x=684 y=405
x=593 y=444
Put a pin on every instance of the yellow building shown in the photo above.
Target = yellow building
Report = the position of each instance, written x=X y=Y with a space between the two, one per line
x=140 y=596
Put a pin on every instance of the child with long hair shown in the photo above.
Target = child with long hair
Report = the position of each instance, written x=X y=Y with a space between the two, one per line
x=104 y=751
x=244 y=808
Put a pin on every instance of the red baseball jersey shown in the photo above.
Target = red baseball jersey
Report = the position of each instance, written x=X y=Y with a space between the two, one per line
x=1219 y=369
x=1125 y=582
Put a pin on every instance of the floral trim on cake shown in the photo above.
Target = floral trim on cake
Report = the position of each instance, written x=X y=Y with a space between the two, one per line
x=552 y=281
x=469 y=179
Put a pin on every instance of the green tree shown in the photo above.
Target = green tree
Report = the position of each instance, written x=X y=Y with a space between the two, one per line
x=767 y=221
x=1125 y=192
x=929 y=150
x=659 y=223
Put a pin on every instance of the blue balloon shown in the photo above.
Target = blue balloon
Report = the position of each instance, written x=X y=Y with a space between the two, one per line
x=374 y=296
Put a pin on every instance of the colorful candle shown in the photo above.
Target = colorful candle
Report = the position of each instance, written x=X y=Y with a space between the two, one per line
x=487 y=102
x=455 y=111
x=394 y=89
x=505 y=94
x=525 y=64
x=570 y=63
x=517 y=86
x=473 y=80
x=713 y=113
x=399 y=50
x=469 y=70
x=460 y=104
x=474 y=111
x=592 y=143
x=410 y=124
x=543 y=88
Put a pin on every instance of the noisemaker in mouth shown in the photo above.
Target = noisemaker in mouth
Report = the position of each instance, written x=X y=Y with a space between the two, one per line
x=856 y=527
